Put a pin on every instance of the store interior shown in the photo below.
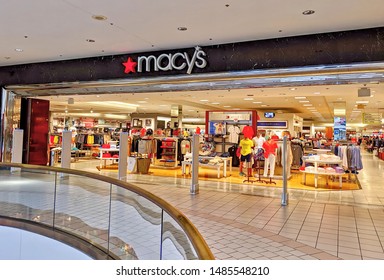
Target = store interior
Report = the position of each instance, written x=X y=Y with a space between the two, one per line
x=160 y=125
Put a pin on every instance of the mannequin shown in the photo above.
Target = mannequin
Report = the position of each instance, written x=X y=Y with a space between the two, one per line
x=258 y=141
x=274 y=136
x=246 y=146
x=270 y=147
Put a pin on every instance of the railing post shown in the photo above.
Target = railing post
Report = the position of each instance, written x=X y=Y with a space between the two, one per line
x=54 y=201
x=109 y=218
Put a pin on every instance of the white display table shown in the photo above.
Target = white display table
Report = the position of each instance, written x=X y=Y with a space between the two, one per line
x=316 y=163
x=103 y=160
x=227 y=161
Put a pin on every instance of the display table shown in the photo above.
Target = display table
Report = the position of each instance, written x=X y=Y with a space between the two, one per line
x=218 y=167
x=321 y=151
x=103 y=159
x=227 y=161
x=315 y=172
x=327 y=175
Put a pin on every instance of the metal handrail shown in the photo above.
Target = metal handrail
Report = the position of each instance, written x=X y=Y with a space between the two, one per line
x=196 y=239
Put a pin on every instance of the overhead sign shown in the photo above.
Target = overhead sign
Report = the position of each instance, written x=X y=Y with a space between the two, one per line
x=167 y=62
x=276 y=124
x=372 y=118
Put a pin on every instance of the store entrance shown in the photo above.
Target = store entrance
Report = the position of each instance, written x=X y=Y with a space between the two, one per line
x=157 y=111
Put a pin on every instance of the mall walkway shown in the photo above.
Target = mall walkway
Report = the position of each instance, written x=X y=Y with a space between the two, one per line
x=248 y=222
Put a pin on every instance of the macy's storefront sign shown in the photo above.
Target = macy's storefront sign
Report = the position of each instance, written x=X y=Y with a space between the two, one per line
x=166 y=62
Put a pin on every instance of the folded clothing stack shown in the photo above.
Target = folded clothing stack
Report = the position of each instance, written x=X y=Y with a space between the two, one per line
x=339 y=169
x=330 y=170
x=310 y=169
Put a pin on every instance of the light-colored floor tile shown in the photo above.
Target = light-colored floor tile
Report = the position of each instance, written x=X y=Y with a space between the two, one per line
x=247 y=221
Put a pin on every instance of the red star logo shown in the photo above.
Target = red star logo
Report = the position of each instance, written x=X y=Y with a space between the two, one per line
x=130 y=66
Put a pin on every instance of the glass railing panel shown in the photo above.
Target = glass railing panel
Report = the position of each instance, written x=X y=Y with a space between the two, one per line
x=135 y=226
x=82 y=207
x=176 y=244
x=27 y=194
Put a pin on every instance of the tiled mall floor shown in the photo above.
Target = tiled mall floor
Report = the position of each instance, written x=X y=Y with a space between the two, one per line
x=246 y=221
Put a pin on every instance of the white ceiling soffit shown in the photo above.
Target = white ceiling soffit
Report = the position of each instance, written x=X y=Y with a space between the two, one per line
x=46 y=30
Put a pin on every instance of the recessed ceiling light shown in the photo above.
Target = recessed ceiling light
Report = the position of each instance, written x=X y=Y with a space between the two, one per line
x=257 y=102
x=248 y=98
x=307 y=105
x=300 y=97
x=308 y=12
x=215 y=103
x=182 y=28
x=362 y=102
x=293 y=88
x=226 y=106
x=18 y=50
x=316 y=92
x=99 y=17
x=204 y=100
x=303 y=101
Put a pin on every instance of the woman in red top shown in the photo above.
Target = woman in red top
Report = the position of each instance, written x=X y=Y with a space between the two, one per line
x=270 y=147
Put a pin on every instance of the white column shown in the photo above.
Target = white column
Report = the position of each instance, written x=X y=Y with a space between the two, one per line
x=66 y=149
x=17 y=146
x=195 y=165
x=123 y=155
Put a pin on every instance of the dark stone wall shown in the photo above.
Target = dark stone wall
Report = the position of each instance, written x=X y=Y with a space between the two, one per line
x=366 y=45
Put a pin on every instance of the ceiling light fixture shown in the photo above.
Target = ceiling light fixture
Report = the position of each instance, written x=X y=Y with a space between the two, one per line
x=99 y=17
x=90 y=40
x=308 y=12
x=300 y=97
x=182 y=28
x=18 y=50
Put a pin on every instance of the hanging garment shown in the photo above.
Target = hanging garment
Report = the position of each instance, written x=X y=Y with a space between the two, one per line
x=232 y=153
x=234 y=132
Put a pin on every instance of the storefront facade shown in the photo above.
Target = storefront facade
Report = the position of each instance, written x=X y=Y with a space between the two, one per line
x=330 y=58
